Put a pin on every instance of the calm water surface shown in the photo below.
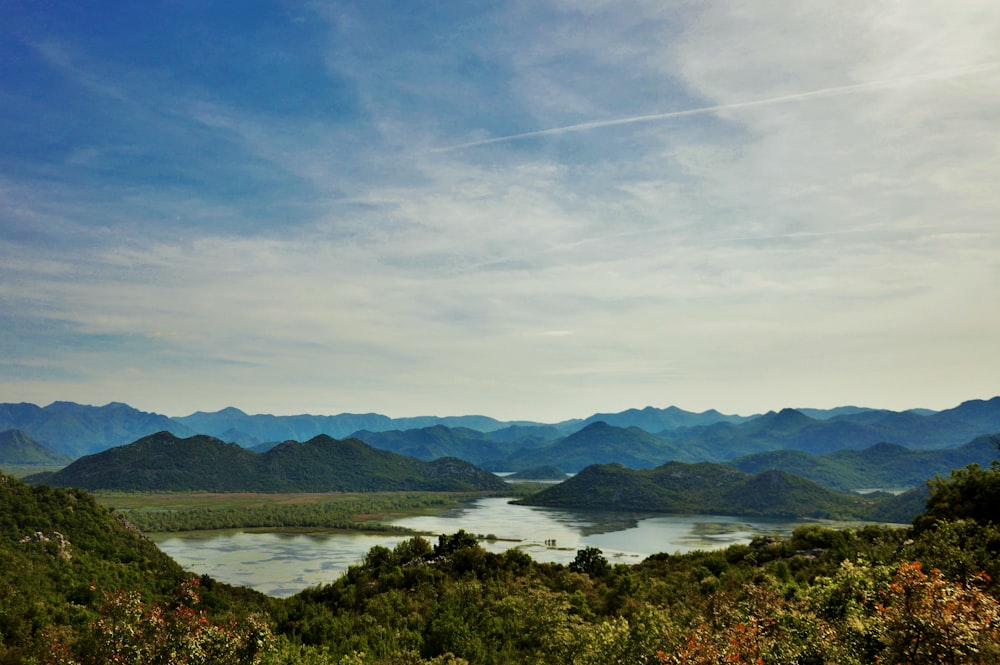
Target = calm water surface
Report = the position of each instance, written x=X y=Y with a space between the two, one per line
x=281 y=564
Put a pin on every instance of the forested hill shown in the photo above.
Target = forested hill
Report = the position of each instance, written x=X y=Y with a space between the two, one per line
x=702 y=488
x=79 y=586
x=56 y=546
x=163 y=461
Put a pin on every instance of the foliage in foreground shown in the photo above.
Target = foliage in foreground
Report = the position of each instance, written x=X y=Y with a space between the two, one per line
x=877 y=594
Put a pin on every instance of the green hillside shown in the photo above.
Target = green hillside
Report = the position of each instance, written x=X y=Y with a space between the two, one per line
x=676 y=487
x=322 y=464
x=78 y=586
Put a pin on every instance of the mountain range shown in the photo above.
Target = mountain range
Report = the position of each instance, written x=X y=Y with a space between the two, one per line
x=77 y=429
x=705 y=487
x=884 y=465
x=164 y=462
x=806 y=439
x=19 y=449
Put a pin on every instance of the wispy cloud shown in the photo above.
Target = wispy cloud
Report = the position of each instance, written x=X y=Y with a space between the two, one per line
x=321 y=233
x=852 y=88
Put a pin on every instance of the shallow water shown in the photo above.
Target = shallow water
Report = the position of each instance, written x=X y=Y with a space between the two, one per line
x=280 y=564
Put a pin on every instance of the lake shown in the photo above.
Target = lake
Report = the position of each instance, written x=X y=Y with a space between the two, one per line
x=282 y=563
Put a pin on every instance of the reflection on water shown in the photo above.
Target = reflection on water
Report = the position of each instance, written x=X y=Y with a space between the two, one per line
x=280 y=564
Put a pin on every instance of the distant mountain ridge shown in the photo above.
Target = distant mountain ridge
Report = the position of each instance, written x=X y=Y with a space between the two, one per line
x=163 y=461
x=78 y=429
x=597 y=443
x=17 y=448
x=570 y=445
x=884 y=465
x=791 y=429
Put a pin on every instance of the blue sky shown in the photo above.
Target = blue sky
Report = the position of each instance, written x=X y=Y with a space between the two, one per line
x=530 y=210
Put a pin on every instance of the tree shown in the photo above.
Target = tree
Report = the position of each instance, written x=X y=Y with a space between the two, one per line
x=969 y=493
x=449 y=544
x=590 y=560
x=130 y=633
x=924 y=618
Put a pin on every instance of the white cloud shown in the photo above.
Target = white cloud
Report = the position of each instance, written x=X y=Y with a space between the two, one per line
x=807 y=215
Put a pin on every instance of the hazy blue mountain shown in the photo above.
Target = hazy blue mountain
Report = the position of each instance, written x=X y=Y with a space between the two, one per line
x=600 y=443
x=943 y=429
x=77 y=429
x=884 y=465
x=658 y=420
x=251 y=430
x=163 y=461
x=430 y=443
x=826 y=414
x=17 y=448
x=787 y=429
x=533 y=436
x=791 y=429
x=232 y=424
x=266 y=427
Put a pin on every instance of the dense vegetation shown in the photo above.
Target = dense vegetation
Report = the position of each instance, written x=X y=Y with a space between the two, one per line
x=925 y=594
x=366 y=511
x=709 y=488
x=201 y=463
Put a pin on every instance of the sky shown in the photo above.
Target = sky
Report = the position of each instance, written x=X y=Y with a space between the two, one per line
x=533 y=210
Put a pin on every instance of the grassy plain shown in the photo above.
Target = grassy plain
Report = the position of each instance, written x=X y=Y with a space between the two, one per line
x=199 y=511
x=22 y=470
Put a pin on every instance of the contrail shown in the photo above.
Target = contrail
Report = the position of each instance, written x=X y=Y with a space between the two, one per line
x=824 y=92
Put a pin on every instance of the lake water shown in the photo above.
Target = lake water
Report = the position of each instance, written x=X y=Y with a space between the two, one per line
x=280 y=564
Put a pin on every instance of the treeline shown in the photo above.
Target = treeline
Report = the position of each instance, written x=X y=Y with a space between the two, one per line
x=336 y=513
x=923 y=594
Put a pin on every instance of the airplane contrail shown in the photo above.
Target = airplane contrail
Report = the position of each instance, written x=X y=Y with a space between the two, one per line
x=836 y=90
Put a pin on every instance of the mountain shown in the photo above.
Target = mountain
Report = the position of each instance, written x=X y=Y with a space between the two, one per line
x=76 y=429
x=232 y=424
x=791 y=429
x=600 y=443
x=676 y=434
x=785 y=429
x=163 y=461
x=676 y=487
x=943 y=429
x=884 y=465
x=538 y=473
x=658 y=420
x=430 y=443
x=826 y=414
x=17 y=448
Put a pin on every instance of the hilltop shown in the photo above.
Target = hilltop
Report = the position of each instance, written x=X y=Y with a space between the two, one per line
x=163 y=461
x=703 y=488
